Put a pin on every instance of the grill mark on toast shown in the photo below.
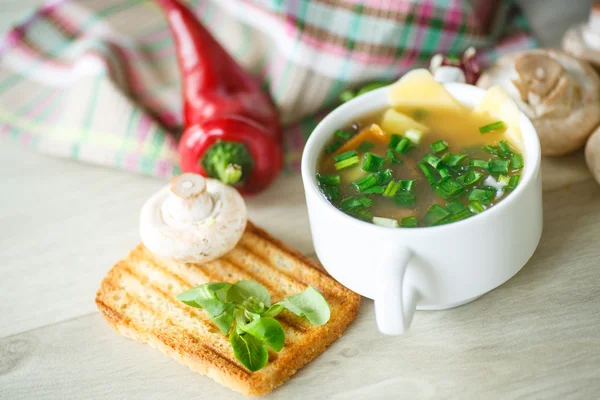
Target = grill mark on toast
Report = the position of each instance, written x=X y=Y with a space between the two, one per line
x=167 y=340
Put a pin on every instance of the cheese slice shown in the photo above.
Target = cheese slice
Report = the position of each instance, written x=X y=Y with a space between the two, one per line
x=393 y=121
x=498 y=106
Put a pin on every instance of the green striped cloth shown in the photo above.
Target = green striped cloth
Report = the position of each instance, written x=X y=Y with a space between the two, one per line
x=96 y=80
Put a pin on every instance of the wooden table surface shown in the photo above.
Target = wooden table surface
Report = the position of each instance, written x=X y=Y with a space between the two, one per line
x=63 y=224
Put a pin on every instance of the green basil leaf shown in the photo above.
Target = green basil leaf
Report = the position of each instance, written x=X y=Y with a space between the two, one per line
x=213 y=290
x=268 y=330
x=251 y=352
x=220 y=313
x=245 y=289
x=274 y=310
x=309 y=304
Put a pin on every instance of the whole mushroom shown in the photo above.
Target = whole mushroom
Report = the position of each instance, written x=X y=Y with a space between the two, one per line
x=560 y=94
x=193 y=219
x=583 y=40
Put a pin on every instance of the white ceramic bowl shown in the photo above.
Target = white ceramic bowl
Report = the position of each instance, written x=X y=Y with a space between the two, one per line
x=429 y=268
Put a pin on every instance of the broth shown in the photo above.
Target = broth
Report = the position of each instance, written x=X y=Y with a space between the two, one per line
x=450 y=186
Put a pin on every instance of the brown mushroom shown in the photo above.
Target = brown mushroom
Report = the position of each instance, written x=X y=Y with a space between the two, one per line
x=583 y=40
x=560 y=94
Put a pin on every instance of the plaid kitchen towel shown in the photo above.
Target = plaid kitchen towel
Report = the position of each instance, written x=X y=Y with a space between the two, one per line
x=97 y=80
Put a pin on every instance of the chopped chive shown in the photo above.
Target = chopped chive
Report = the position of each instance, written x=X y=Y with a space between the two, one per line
x=494 y=151
x=348 y=162
x=394 y=140
x=342 y=134
x=353 y=203
x=475 y=207
x=504 y=180
x=414 y=135
x=407 y=185
x=470 y=178
x=403 y=199
x=514 y=181
x=345 y=155
x=494 y=126
x=328 y=179
x=408 y=222
x=427 y=172
x=391 y=157
x=374 y=190
x=516 y=161
x=365 y=146
x=435 y=213
x=420 y=114
x=453 y=160
x=439 y=146
x=455 y=206
x=331 y=193
x=372 y=163
x=483 y=196
x=498 y=166
x=362 y=214
x=505 y=146
x=334 y=146
x=444 y=172
x=463 y=214
x=387 y=222
x=447 y=188
x=403 y=146
x=347 y=95
x=383 y=177
x=365 y=183
x=391 y=189
x=480 y=164
x=432 y=160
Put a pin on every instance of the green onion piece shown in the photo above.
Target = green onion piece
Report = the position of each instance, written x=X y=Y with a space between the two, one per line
x=348 y=162
x=383 y=177
x=328 y=179
x=514 y=182
x=470 y=178
x=404 y=199
x=331 y=193
x=365 y=183
x=435 y=213
x=371 y=86
x=516 y=161
x=345 y=155
x=447 y=188
x=505 y=146
x=403 y=146
x=414 y=135
x=498 y=166
x=372 y=163
x=432 y=160
x=391 y=189
x=362 y=214
x=408 y=222
x=494 y=126
x=453 y=160
x=455 y=206
x=439 y=146
x=342 y=134
x=387 y=222
x=353 y=203
x=391 y=157
x=394 y=140
x=407 y=185
x=480 y=164
x=463 y=214
x=444 y=172
x=428 y=174
x=347 y=95
x=475 y=207
x=483 y=196
x=494 y=151
x=365 y=146
x=504 y=180
x=374 y=190
x=334 y=146
x=420 y=114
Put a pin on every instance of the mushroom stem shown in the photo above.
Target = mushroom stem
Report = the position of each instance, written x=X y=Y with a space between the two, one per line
x=188 y=199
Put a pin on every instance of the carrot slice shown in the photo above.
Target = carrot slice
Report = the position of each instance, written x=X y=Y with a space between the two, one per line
x=372 y=132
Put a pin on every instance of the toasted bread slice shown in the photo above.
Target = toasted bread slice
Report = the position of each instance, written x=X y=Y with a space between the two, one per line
x=137 y=298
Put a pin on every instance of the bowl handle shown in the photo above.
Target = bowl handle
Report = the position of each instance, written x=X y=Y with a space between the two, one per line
x=395 y=296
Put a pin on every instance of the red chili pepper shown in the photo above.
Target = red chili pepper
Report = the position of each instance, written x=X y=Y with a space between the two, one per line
x=232 y=129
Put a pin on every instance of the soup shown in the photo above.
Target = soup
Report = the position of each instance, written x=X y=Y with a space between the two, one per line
x=408 y=167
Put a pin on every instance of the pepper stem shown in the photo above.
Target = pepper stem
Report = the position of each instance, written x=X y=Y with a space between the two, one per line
x=230 y=162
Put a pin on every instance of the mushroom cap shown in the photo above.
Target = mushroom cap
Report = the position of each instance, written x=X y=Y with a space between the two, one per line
x=579 y=41
x=592 y=154
x=193 y=219
x=560 y=94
